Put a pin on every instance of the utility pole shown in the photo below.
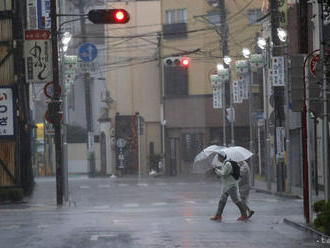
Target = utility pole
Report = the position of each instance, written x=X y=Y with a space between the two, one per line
x=88 y=102
x=278 y=96
x=224 y=52
x=325 y=130
x=54 y=108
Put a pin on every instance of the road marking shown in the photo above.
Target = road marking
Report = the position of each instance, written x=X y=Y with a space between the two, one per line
x=159 y=204
x=105 y=186
x=99 y=211
x=131 y=205
x=190 y=202
x=84 y=187
x=96 y=237
x=102 y=207
x=143 y=184
x=189 y=220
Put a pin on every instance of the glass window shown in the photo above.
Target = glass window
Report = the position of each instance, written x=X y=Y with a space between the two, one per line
x=176 y=16
x=254 y=15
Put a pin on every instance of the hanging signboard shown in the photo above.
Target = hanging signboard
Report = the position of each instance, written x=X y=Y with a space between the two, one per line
x=280 y=142
x=32 y=16
x=7 y=113
x=243 y=85
x=38 y=56
x=256 y=61
x=223 y=74
x=70 y=65
x=242 y=66
x=217 y=98
x=236 y=93
x=215 y=81
x=44 y=20
x=278 y=71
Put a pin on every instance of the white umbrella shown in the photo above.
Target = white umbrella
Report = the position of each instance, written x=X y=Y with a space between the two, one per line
x=206 y=159
x=237 y=153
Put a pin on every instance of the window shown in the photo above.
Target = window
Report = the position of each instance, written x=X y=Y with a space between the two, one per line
x=254 y=15
x=176 y=16
x=192 y=144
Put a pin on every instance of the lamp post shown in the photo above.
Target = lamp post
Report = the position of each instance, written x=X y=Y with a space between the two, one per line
x=221 y=67
x=227 y=60
x=247 y=53
x=264 y=45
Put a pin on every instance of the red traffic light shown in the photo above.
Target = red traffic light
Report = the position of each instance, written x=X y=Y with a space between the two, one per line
x=108 y=16
x=185 y=62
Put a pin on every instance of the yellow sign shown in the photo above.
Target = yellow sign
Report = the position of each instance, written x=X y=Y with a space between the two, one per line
x=40 y=131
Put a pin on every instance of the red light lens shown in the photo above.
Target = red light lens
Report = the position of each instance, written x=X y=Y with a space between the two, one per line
x=120 y=16
x=185 y=62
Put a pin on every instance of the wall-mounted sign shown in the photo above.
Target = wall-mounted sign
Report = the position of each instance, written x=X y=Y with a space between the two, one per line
x=38 y=56
x=7 y=113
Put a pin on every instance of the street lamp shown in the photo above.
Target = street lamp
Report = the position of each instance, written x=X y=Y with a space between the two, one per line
x=247 y=53
x=221 y=67
x=227 y=60
x=262 y=43
x=282 y=34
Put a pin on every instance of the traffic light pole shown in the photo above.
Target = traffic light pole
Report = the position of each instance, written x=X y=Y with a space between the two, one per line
x=88 y=103
x=56 y=99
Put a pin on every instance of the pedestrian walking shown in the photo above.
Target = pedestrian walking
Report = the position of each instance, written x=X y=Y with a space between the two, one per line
x=230 y=173
x=244 y=186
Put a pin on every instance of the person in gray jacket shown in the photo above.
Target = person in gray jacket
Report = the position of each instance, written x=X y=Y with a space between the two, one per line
x=244 y=185
x=229 y=188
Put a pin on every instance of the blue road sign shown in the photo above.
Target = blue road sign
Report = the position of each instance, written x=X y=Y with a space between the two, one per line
x=88 y=52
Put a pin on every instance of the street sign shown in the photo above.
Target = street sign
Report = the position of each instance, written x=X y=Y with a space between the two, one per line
x=91 y=67
x=49 y=128
x=215 y=81
x=217 y=98
x=280 y=142
x=70 y=65
x=31 y=12
x=242 y=66
x=223 y=74
x=87 y=52
x=38 y=56
x=278 y=71
x=44 y=20
x=7 y=113
x=230 y=114
x=49 y=89
x=236 y=93
x=256 y=61
x=243 y=85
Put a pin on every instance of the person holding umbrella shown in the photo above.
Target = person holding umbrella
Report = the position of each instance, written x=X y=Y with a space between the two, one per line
x=230 y=172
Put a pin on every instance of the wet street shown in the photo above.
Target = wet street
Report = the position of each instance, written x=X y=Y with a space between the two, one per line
x=151 y=212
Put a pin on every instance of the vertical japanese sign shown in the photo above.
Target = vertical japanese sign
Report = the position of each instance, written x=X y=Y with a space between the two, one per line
x=70 y=64
x=32 y=14
x=243 y=85
x=38 y=56
x=280 y=142
x=44 y=21
x=217 y=98
x=7 y=113
x=236 y=93
x=278 y=71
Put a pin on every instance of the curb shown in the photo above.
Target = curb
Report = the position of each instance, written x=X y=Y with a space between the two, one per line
x=281 y=194
x=306 y=228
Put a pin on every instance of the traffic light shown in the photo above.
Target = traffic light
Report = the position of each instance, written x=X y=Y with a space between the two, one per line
x=177 y=61
x=108 y=16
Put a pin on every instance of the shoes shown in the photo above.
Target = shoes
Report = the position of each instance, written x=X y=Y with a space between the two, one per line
x=216 y=218
x=251 y=212
x=242 y=218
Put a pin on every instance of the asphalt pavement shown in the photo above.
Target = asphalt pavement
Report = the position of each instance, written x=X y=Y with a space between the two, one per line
x=164 y=212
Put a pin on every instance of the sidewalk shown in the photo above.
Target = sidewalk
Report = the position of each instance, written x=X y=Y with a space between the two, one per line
x=298 y=222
